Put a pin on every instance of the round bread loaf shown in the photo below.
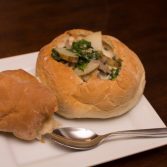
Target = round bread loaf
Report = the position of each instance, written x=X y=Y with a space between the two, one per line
x=95 y=97
x=26 y=106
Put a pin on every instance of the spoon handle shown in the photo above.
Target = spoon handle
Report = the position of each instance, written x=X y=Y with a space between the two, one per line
x=140 y=133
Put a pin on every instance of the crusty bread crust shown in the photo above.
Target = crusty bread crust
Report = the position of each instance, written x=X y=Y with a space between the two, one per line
x=25 y=104
x=95 y=98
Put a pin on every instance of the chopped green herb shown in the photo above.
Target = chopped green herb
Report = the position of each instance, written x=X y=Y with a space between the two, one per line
x=85 y=52
x=81 y=45
x=81 y=66
x=114 y=73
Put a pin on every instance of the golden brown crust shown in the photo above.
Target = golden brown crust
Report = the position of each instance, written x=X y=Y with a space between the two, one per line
x=95 y=98
x=25 y=104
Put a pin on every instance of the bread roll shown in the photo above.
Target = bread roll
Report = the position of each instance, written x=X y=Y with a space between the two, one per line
x=26 y=106
x=93 y=97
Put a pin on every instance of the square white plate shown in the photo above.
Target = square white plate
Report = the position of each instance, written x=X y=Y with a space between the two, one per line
x=14 y=152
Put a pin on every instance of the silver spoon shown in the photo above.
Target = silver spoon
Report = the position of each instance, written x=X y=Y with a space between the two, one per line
x=85 y=139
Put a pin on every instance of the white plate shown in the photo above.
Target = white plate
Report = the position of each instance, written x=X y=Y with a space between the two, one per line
x=14 y=152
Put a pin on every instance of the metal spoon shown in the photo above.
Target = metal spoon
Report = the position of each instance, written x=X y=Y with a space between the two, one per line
x=84 y=139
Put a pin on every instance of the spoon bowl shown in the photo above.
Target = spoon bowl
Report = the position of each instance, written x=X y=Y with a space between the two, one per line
x=84 y=139
x=75 y=133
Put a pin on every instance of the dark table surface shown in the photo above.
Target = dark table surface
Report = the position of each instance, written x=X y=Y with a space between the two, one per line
x=27 y=25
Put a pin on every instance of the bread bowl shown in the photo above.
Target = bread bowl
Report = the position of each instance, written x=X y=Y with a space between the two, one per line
x=26 y=106
x=106 y=90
